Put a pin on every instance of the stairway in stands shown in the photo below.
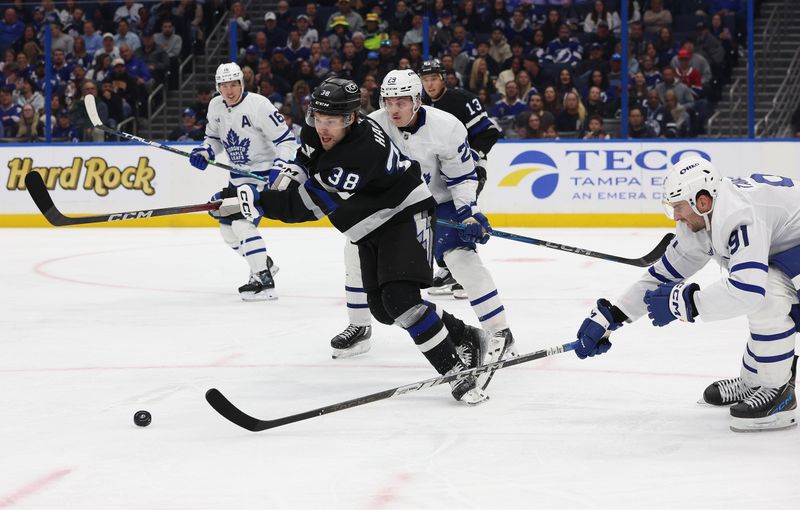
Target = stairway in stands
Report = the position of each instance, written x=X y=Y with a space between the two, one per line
x=777 y=39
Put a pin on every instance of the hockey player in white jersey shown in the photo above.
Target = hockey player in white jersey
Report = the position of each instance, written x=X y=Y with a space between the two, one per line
x=256 y=138
x=751 y=228
x=438 y=142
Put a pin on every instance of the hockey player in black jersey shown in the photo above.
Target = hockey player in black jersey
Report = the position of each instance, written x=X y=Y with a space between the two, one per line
x=348 y=169
x=482 y=134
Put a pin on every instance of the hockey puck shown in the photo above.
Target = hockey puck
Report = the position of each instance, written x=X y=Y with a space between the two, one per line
x=142 y=418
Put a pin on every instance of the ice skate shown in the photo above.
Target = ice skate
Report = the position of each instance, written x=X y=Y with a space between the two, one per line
x=726 y=392
x=458 y=291
x=496 y=349
x=354 y=340
x=464 y=389
x=273 y=269
x=261 y=287
x=443 y=283
x=766 y=409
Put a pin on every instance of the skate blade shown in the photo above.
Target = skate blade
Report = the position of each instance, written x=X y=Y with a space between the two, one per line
x=273 y=269
x=359 y=348
x=265 y=295
x=780 y=421
x=441 y=291
x=703 y=403
x=475 y=401
x=460 y=294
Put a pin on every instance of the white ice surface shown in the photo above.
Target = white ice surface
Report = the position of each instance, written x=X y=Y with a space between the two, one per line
x=98 y=323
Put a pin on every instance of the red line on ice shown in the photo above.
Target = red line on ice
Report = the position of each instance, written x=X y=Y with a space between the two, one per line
x=31 y=488
x=387 y=493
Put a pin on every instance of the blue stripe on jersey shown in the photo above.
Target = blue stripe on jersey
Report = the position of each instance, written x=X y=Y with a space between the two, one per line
x=283 y=138
x=776 y=336
x=491 y=314
x=771 y=359
x=423 y=325
x=249 y=239
x=353 y=289
x=657 y=276
x=324 y=196
x=674 y=272
x=353 y=305
x=746 y=287
x=483 y=298
x=480 y=126
x=472 y=176
x=750 y=265
x=259 y=250
x=748 y=367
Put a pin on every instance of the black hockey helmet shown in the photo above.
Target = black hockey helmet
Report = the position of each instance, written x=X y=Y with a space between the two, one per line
x=336 y=95
x=432 y=66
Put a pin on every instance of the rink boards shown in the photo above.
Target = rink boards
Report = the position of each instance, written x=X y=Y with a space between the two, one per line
x=531 y=184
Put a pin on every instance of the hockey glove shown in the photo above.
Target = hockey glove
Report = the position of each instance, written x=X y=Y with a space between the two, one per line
x=595 y=329
x=220 y=196
x=200 y=156
x=289 y=174
x=476 y=225
x=670 y=301
x=249 y=205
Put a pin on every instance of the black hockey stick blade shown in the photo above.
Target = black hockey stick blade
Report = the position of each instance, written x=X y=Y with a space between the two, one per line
x=41 y=197
x=645 y=261
x=230 y=412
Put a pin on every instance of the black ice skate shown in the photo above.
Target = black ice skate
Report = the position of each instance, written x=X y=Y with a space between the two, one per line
x=465 y=389
x=261 y=287
x=354 y=340
x=500 y=346
x=442 y=283
x=726 y=392
x=766 y=409
x=459 y=292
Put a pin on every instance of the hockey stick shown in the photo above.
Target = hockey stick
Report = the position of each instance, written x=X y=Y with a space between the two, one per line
x=44 y=202
x=645 y=261
x=91 y=110
x=233 y=414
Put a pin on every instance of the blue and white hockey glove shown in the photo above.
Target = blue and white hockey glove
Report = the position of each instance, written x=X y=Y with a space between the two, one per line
x=289 y=175
x=249 y=205
x=476 y=225
x=200 y=156
x=595 y=329
x=220 y=197
x=670 y=301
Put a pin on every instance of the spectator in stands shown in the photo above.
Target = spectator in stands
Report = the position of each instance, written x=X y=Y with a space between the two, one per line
x=657 y=116
x=401 y=20
x=443 y=31
x=306 y=73
x=723 y=35
x=637 y=89
x=107 y=48
x=532 y=130
x=200 y=105
x=594 y=130
x=524 y=85
x=81 y=57
x=28 y=42
x=320 y=63
x=249 y=79
x=595 y=62
x=469 y=18
x=354 y=19
x=499 y=48
x=572 y=115
x=656 y=17
x=681 y=123
x=118 y=108
x=551 y=133
x=250 y=57
x=267 y=89
x=565 y=49
x=565 y=84
x=373 y=34
x=91 y=38
x=536 y=105
x=129 y=11
x=415 y=35
x=131 y=89
x=283 y=68
x=651 y=74
x=294 y=50
x=125 y=36
x=59 y=40
x=64 y=129
x=551 y=25
x=519 y=27
x=276 y=36
x=340 y=33
x=479 y=77
x=137 y=68
x=696 y=61
x=605 y=38
x=460 y=36
x=284 y=17
x=10 y=112
x=27 y=93
x=616 y=78
x=154 y=57
x=509 y=106
x=594 y=103
x=81 y=119
x=551 y=100
x=243 y=24
x=61 y=70
x=73 y=23
x=168 y=40
x=189 y=129
x=11 y=29
x=308 y=34
x=507 y=75
x=710 y=47
x=688 y=75
x=314 y=19
x=101 y=69
x=636 y=40
x=637 y=128
x=30 y=128
x=600 y=13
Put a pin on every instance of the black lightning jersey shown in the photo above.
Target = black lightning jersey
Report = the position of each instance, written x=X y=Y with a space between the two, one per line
x=466 y=107
x=361 y=184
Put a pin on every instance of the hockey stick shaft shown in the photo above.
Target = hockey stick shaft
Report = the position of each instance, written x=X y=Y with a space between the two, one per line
x=91 y=110
x=645 y=261
x=235 y=415
x=38 y=191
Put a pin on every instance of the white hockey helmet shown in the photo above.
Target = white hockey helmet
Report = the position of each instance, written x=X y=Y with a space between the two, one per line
x=688 y=177
x=400 y=83
x=229 y=72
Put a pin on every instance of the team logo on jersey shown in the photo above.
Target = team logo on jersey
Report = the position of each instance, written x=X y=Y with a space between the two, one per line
x=544 y=184
x=238 y=149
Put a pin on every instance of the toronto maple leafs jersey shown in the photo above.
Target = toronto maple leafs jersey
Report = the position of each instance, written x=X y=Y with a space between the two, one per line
x=252 y=133
x=362 y=184
x=467 y=108
x=752 y=220
x=439 y=144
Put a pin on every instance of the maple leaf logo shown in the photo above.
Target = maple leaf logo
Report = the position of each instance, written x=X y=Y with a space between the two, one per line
x=238 y=149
